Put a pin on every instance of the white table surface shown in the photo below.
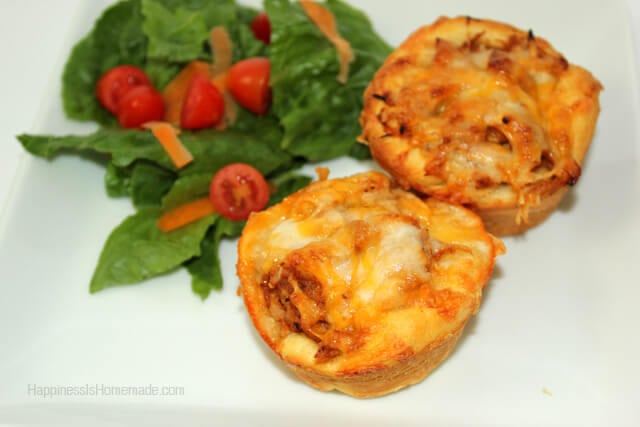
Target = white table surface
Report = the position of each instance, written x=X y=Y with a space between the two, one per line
x=30 y=40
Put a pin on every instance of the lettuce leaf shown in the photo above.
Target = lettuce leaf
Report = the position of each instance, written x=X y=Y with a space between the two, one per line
x=186 y=188
x=213 y=12
x=319 y=114
x=205 y=270
x=149 y=183
x=117 y=180
x=137 y=250
x=174 y=35
x=212 y=149
x=116 y=38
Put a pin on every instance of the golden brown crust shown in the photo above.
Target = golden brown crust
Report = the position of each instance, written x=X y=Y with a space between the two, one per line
x=386 y=379
x=483 y=114
x=501 y=220
x=361 y=286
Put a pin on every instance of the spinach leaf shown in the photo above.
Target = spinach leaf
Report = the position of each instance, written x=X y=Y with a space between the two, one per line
x=137 y=249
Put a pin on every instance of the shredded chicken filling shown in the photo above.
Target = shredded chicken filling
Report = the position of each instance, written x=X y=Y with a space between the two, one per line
x=479 y=114
x=389 y=269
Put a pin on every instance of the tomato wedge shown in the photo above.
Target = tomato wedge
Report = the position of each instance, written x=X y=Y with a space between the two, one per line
x=237 y=190
x=248 y=82
x=140 y=105
x=115 y=83
x=203 y=105
x=261 y=27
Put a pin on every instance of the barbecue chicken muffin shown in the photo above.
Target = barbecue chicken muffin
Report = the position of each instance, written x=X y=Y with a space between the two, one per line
x=480 y=113
x=360 y=286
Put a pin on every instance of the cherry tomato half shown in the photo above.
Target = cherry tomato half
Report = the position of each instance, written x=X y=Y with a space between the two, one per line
x=261 y=28
x=203 y=105
x=237 y=190
x=116 y=82
x=248 y=82
x=140 y=105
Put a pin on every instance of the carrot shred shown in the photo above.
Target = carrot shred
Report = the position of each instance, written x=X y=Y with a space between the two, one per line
x=222 y=48
x=220 y=82
x=322 y=172
x=326 y=23
x=185 y=214
x=167 y=135
x=230 y=105
x=175 y=91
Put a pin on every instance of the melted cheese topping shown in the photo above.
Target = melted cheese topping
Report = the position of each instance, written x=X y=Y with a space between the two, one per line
x=349 y=271
x=480 y=113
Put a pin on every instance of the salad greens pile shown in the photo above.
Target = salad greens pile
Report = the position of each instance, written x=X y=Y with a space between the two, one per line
x=313 y=117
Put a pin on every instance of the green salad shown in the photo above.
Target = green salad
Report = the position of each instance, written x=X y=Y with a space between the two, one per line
x=312 y=117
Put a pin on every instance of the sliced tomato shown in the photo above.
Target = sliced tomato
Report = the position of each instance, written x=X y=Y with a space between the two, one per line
x=141 y=104
x=248 y=82
x=116 y=82
x=261 y=27
x=237 y=190
x=203 y=105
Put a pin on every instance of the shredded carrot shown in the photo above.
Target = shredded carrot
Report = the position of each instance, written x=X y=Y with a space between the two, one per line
x=322 y=172
x=230 y=105
x=174 y=93
x=326 y=23
x=185 y=214
x=222 y=48
x=167 y=135
x=220 y=82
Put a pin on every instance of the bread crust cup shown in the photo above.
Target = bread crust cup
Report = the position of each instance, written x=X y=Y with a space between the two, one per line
x=483 y=114
x=360 y=286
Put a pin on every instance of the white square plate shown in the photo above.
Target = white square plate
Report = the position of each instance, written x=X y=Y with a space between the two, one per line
x=555 y=341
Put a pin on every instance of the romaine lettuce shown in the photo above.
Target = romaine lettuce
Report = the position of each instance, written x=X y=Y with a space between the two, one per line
x=137 y=249
x=313 y=118
x=319 y=114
